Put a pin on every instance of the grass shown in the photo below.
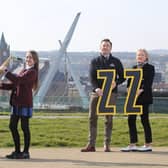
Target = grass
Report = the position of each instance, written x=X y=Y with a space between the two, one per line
x=73 y=132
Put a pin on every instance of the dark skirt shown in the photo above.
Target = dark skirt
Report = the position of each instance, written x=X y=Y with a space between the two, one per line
x=22 y=111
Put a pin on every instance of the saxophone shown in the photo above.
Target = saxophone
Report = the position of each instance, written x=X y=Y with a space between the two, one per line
x=5 y=63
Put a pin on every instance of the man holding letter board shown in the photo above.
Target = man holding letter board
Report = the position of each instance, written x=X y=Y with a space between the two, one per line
x=105 y=61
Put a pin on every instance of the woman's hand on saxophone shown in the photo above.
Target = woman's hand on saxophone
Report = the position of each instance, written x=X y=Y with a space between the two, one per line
x=3 y=68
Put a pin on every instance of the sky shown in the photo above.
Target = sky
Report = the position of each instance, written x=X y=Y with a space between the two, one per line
x=130 y=24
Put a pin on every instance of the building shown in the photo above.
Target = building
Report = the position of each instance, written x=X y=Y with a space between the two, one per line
x=4 y=49
x=4 y=54
x=166 y=73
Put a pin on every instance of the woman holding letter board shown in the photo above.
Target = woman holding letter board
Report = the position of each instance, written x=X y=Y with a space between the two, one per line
x=145 y=99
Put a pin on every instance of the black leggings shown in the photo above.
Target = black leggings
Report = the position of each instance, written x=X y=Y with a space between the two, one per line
x=146 y=126
x=14 y=119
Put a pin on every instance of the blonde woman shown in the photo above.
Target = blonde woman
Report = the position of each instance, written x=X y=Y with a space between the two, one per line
x=145 y=99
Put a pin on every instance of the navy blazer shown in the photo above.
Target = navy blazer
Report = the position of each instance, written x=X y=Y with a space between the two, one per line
x=101 y=63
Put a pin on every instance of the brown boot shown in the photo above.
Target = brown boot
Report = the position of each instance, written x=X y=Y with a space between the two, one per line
x=88 y=149
x=107 y=148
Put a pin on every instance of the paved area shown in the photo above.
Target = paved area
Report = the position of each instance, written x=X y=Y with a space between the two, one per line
x=73 y=158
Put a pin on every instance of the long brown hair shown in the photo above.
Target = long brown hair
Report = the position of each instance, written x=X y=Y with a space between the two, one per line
x=36 y=67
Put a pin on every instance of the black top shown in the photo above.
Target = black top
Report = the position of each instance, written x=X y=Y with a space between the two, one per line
x=99 y=63
x=147 y=80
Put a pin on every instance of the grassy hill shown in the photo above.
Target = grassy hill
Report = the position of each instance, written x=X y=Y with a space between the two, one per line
x=71 y=130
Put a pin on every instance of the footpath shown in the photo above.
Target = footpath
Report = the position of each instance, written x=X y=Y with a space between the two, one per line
x=73 y=158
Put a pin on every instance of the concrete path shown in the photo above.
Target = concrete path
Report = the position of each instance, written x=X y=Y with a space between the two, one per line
x=73 y=158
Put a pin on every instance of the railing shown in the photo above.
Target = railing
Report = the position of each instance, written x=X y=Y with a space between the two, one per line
x=159 y=105
x=75 y=103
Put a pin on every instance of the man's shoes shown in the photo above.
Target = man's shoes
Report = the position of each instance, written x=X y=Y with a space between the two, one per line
x=25 y=155
x=88 y=149
x=14 y=155
x=130 y=148
x=145 y=149
x=107 y=148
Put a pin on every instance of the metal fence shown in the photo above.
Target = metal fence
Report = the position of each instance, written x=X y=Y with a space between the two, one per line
x=159 y=105
x=75 y=104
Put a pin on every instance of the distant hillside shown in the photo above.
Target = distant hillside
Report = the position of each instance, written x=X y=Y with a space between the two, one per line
x=159 y=51
x=78 y=55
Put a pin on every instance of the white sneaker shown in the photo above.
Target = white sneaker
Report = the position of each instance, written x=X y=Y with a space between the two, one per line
x=145 y=149
x=130 y=148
